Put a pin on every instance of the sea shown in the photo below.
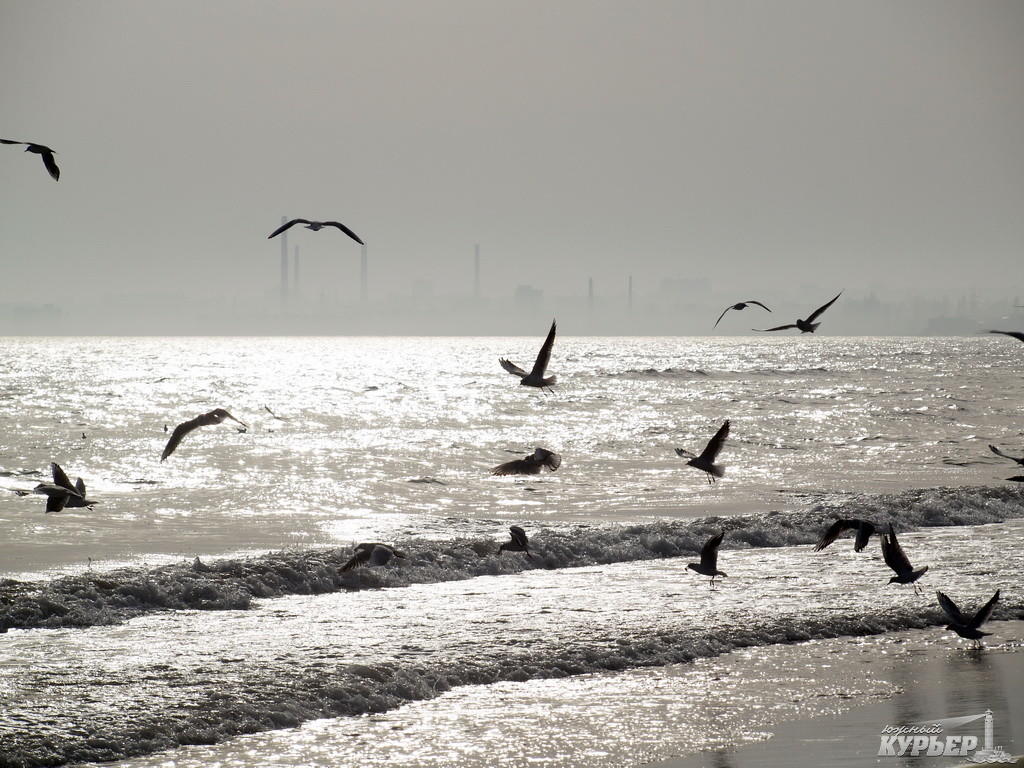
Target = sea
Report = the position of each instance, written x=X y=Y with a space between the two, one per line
x=197 y=615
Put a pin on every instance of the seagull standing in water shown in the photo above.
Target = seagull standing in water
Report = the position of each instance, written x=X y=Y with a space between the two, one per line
x=45 y=152
x=864 y=531
x=371 y=553
x=316 y=226
x=216 y=416
x=530 y=465
x=897 y=559
x=708 y=565
x=518 y=543
x=706 y=461
x=968 y=628
x=741 y=305
x=535 y=378
x=805 y=326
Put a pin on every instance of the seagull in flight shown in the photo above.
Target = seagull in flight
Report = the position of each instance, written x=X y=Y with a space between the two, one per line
x=371 y=553
x=216 y=416
x=316 y=226
x=535 y=378
x=61 y=493
x=997 y=452
x=706 y=461
x=530 y=465
x=518 y=543
x=864 y=531
x=45 y=152
x=968 y=628
x=708 y=565
x=741 y=305
x=896 y=559
x=1015 y=334
x=805 y=326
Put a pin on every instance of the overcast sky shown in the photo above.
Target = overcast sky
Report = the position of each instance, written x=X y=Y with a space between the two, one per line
x=759 y=144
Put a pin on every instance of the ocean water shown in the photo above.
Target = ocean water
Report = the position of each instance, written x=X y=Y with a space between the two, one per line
x=121 y=644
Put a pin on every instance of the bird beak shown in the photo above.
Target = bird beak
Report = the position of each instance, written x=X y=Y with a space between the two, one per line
x=239 y=422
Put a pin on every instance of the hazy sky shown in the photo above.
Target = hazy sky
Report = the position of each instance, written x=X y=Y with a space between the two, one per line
x=760 y=144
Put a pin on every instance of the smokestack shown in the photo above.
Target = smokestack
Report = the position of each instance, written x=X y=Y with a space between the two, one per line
x=295 y=275
x=363 y=277
x=590 y=293
x=284 y=263
x=630 y=293
x=476 y=270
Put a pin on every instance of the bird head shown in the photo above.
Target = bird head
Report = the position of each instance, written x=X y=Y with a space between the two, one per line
x=692 y=566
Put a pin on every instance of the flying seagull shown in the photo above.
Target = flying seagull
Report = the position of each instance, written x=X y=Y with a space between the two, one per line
x=518 y=542
x=997 y=452
x=371 y=553
x=61 y=493
x=535 y=378
x=968 y=628
x=46 y=153
x=1015 y=334
x=530 y=465
x=706 y=461
x=741 y=305
x=805 y=326
x=863 y=527
x=896 y=559
x=216 y=416
x=708 y=565
x=316 y=226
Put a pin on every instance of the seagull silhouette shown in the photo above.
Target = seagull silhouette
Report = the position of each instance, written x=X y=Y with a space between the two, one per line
x=518 y=543
x=535 y=378
x=530 y=465
x=805 y=326
x=997 y=452
x=61 y=493
x=708 y=565
x=706 y=461
x=216 y=416
x=863 y=527
x=371 y=553
x=45 y=152
x=896 y=559
x=741 y=305
x=1015 y=334
x=316 y=226
x=968 y=628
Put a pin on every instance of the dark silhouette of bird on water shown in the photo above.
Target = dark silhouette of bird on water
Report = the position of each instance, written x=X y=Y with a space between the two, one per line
x=530 y=465
x=43 y=151
x=706 y=461
x=864 y=530
x=1018 y=335
x=517 y=543
x=740 y=305
x=897 y=559
x=968 y=628
x=371 y=553
x=216 y=416
x=997 y=452
x=316 y=226
x=708 y=565
x=535 y=378
x=805 y=326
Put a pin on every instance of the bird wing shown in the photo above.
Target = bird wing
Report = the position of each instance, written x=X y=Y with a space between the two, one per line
x=518 y=535
x=541 y=363
x=894 y=555
x=51 y=165
x=179 y=433
x=12 y=141
x=283 y=227
x=1015 y=334
x=516 y=467
x=986 y=610
x=344 y=229
x=80 y=487
x=822 y=308
x=833 y=533
x=722 y=315
x=56 y=502
x=716 y=442
x=511 y=367
x=777 y=328
x=951 y=609
x=864 y=531
x=61 y=479
x=709 y=552
x=997 y=452
x=762 y=306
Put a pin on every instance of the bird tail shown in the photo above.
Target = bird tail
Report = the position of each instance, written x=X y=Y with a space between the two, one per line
x=550 y=380
x=814 y=327
x=718 y=470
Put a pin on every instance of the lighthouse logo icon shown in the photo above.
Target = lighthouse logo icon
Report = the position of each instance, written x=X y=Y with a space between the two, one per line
x=930 y=738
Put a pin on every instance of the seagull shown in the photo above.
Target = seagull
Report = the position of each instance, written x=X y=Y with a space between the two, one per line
x=1015 y=334
x=706 y=461
x=535 y=378
x=39 y=149
x=371 y=553
x=518 y=543
x=805 y=326
x=708 y=565
x=863 y=527
x=896 y=559
x=968 y=628
x=216 y=416
x=61 y=493
x=530 y=465
x=316 y=226
x=997 y=452
x=741 y=305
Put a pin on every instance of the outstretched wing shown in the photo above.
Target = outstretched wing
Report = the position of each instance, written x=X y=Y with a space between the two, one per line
x=541 y=363
x=709 y=552
x=1015 y=334
x=822 y=308
x=986 y=610
x=715 y=444
x=864 y=531
x=56 y=502
x=517 y=467
x=12 y=141
x=894 y=555
x=762 y=306
x=997 y=452
x=344 y=229
x=777 y=328
x=60 y=478
x=833 y=533
x=722 y=315
x=519 y=536
x=179 y=433
x=511 y=367
x=80 y=487
x=51 y=165
x=283 y=227
x=951 y=609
